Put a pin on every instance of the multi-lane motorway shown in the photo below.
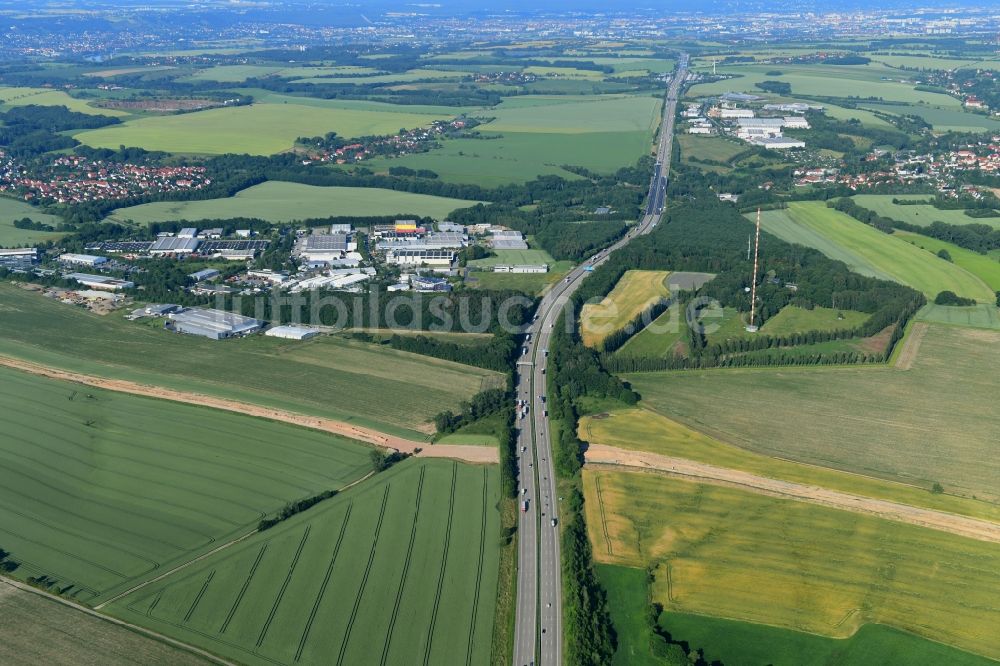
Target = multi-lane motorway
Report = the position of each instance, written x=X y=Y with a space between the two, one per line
x=538 y=629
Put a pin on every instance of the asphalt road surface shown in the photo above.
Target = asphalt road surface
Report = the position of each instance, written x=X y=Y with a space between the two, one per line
x=538 y=630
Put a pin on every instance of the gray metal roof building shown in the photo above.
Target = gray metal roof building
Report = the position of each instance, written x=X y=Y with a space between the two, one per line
x=326 y=243
x=174 y=245
x=213 y=324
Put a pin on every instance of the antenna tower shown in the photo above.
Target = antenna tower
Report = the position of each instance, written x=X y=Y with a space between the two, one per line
x=751 y=326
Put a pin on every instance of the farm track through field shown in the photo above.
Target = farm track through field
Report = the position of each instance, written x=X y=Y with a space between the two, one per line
x=324 y=584
x=599 y=456
x=284 y=586
x=444 y=565
x=604 y=518
x=911 y=346
x=201 y=593
x=364 y=578
x=474 y=454
x=243 y=590
x=479 y=574
x=406 y=568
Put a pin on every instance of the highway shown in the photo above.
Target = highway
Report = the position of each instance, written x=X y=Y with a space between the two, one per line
x=538 y=628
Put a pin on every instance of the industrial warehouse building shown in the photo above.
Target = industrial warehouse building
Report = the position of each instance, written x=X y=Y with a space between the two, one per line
x=325 y=249
x=100 y=281
x=778 y=142
x=434 y=258
x=291 y=332
x=174 y=245
x=507 y=240
x=82 y=259
x=212 y=324
x=20 y=259
x=205 y=274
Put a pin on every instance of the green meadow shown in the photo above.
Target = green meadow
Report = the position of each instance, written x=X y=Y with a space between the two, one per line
x=922 y=215
x=394 y=391
x=604 y=113
x=520 y=156
x=715 y=148
x=103 y=490
x=257 y=129
x=11 y=96
x=400 y=77
x=943 y=119
x=933 y=62
x=871 y=252
x=983 y=266
x=277 y=201
x=11 y=236
x=240 y=73
x=401 y=569
x=827 y=81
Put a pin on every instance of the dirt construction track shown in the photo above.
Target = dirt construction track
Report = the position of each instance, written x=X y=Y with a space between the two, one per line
x=610 y=457
x=476 y=454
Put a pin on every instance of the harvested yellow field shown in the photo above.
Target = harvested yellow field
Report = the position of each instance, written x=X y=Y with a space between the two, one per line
x=734 y=554
x=635 y=292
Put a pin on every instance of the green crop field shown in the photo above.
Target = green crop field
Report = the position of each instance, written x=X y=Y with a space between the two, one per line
x=943 y=120
x=641 y=429
x=104 y=489
x=401 y=569
x=635 y=291
x=743 y=556
x=390 y=390
x=983 y=266
x=826 y=81
x=257 y=129
x=240 y=73
x=48 y=97
x=871 y=252
x=578 y=115
x=10 y=236
x=929 y=62
x=38 y=630
x=234 y=73
x=737 y=643
x=521 y=156
x=781 y=224
x=399 y=77
x=983 y=315
x=277 y=201
x=548 y=71
x=714 y=148
x=919 y=214
x=933 y=422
